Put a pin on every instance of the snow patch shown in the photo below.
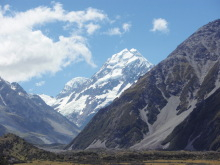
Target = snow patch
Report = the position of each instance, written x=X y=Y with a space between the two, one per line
x=3 y=100
x=13 y=87
x=109 y=96
x=75 y=106
x=21 y=94
x=115 y=74
x=166 y=146
x=74 y=83
x=217 y=86
x=190 y=144
x=97 y=144
x=48 y=99
x=45 y=140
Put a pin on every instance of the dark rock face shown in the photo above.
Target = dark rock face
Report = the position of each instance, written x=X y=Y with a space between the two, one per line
x=2 y=130
x=31 y=118
x=148 y=112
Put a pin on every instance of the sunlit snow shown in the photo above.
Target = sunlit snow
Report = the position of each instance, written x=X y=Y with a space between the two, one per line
x=116 y=75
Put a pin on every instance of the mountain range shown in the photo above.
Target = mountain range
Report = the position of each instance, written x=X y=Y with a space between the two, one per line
x=174 y=106
x=128 y=103
x=31 y=118
x=81 y=97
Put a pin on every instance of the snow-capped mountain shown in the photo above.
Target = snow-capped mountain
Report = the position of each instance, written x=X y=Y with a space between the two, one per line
x=48 y=99
x=29 y=117
x=174 y=106
x=81 y=98
x=71 y=87
x=74 y=85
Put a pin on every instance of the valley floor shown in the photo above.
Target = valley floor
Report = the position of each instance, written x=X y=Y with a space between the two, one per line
x=131 y=158
x=151 y=162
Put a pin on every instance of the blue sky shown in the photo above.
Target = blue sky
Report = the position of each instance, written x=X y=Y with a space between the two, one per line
x=44 y=44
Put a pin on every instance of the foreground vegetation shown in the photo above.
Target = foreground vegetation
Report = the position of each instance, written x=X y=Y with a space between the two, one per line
x=152 y=162
x=14 y=150
x=131 y=158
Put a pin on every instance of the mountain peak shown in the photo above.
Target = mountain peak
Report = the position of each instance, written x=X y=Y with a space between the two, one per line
x=121 y=63
x=124 y=58
x=125 y=55
x=116 y=75
x=73 y=83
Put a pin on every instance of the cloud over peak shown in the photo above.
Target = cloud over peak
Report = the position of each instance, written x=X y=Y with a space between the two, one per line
x=39 y=84
x=119 y=31
x=26 y=52
x=160 y=25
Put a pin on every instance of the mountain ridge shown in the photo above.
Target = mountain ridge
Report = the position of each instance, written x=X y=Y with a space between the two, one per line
x=31 y=118
x=148 y=112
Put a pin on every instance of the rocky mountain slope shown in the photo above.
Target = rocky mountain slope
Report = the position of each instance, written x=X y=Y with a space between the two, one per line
x=173 y=106
x=30 y=117
x=81 y=98
x=201 y=129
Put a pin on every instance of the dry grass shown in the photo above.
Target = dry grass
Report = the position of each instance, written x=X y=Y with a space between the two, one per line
x=182 y=162
x=150 y=162
x=47 y=163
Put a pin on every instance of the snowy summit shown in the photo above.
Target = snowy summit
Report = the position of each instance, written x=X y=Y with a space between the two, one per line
x=81 y=98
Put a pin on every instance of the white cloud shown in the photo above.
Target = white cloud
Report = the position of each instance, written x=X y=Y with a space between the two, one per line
x=4 y=9
x=91 y=28
x=126 y=27
x=160 y=25
x=119 y=31
x=26 y=52
x=39 y=84
x=114 y=31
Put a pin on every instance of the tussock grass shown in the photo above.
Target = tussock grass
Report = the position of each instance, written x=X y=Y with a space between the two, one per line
x=152 y=162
